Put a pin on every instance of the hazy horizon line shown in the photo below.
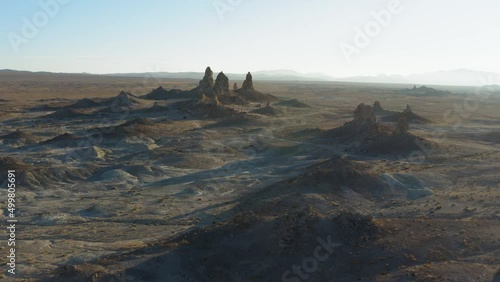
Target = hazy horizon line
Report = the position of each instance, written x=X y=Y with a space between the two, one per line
x=257 y=71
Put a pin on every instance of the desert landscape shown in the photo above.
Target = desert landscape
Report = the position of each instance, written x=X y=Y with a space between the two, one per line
x=217 y=179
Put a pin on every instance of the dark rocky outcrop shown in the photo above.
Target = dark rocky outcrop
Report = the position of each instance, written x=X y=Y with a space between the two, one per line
x=293 y=103
x=208 y=79
x=19 y=138
x=409 y=115
x=161 y=93
x=364 y=115
x=67 y=113
x=124 y=99
x=424 y=91
x=63 y=140
x=377 y=107
x=34 y=178
x=402 y=126
x=408 y=109
x=268 y=110
x=83 y=104
x=248 y=83
x=221 y=84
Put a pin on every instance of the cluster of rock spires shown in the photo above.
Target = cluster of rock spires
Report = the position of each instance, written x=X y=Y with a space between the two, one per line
x=365 y=134
x=425 y=91
x=215 y=92
x=364 y=115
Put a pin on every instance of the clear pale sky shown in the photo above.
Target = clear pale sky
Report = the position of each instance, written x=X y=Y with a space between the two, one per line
x=113 y=36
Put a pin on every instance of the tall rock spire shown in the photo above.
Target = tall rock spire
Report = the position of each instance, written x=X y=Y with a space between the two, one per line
x=248 y=83
x=221 y=84
x=208 y=79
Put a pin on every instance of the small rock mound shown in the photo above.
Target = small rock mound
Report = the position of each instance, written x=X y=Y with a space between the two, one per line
x=156 y=108
x=248 y=83
x=424 y=91
x=86 y=272
x=207 y=107
x=63 y=140
x=124 y=99
x=161 y=93
x=255 y=96
x=408 y=109
x=118 y=175
x=356 y=228
x=293 y=103
x=400 y=144
x=141 y=121
x=156 y=94
x=35 y=178
x=19 y=138
x=409 y=114
x=67 y=113
x=84 y=104
x=341 y=172
x=10 y=163
x=268 y=111
x=135 y=127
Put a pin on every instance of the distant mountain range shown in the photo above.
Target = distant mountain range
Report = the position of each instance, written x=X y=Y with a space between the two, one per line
x=461 y=77
x=280 y=75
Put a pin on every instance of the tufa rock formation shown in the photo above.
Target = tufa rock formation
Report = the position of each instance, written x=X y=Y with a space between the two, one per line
x=364 y=115
x=377 y=107
x=214 y=101
x=84 y=103
x=402 y=126
x=248 y=83
x=123 y=98
x=235 y=86
x=408 y=109
x=221 y=85
x=19 y=138
x=203 y=98
x=425 y=91
x=208 y=79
